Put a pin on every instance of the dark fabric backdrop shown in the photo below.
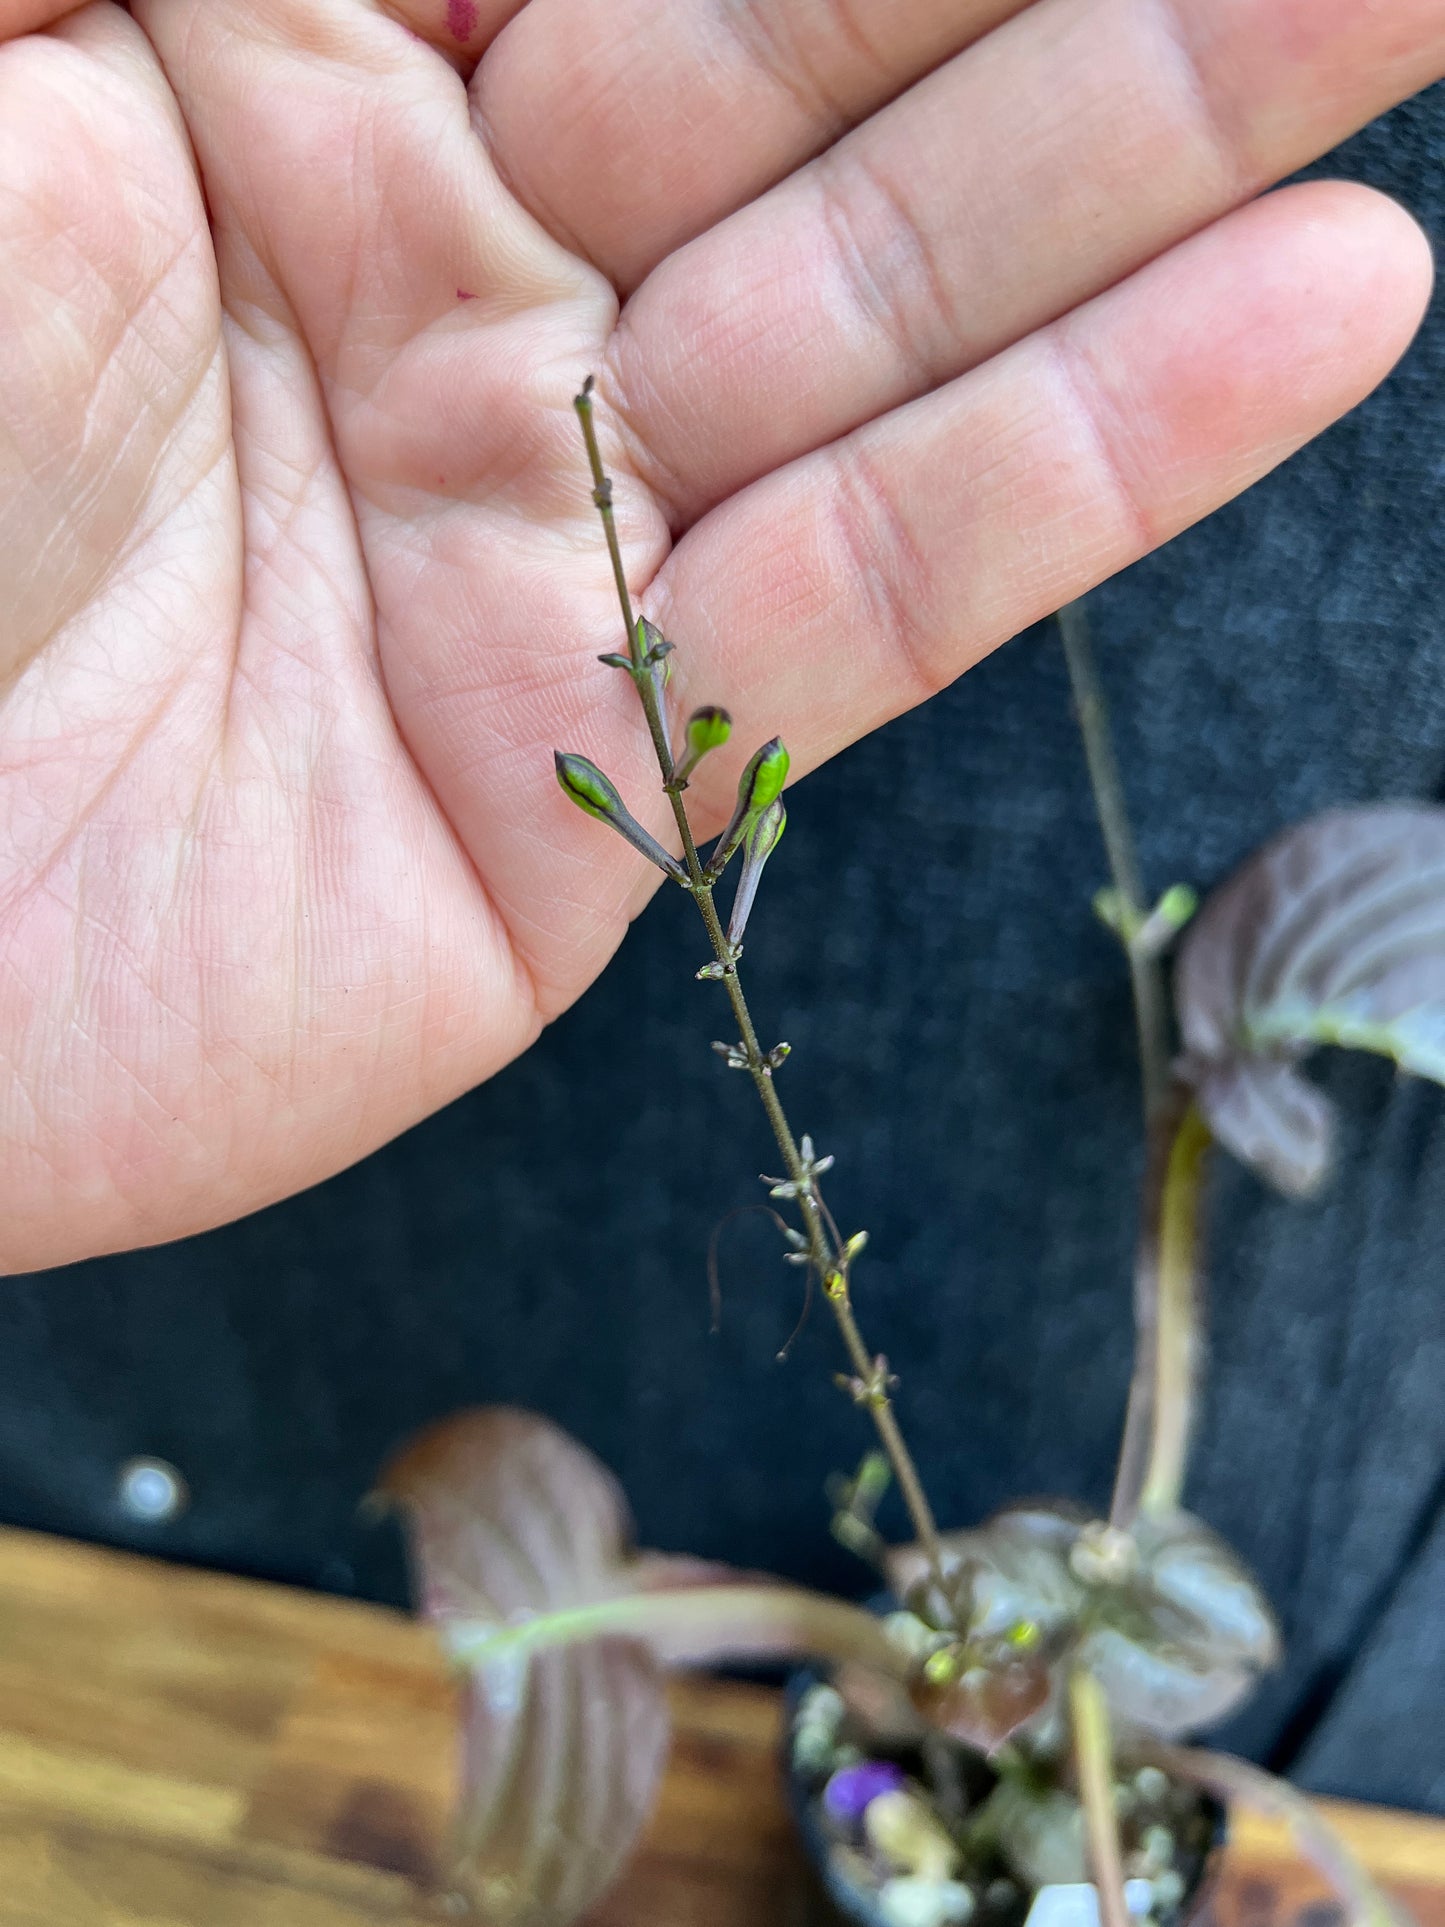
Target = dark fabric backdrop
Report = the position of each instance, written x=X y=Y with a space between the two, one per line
x=963 y=1045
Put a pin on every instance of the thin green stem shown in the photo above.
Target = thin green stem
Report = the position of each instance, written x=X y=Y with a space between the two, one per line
x=641 y=675
x=829 y=1262
x=1166 y=1294
x=1147 y=979
x=1166 y=1310
x=1176 y=1342
x=1094 y=1759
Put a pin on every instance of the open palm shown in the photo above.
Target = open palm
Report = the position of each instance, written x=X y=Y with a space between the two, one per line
x=911 y=319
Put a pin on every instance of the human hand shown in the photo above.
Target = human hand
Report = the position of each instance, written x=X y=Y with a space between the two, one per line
x=300 y=581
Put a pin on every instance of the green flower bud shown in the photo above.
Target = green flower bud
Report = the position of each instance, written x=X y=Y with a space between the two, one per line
x=1177 y=905
x=590 y=790
x=764 y=777
x=652 y=645
x=763 y=837
x=761 y=784
x=707 y=729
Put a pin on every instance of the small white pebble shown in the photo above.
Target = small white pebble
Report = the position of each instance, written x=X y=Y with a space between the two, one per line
x=1169 y=1887
x=1065 y=1903
x=1150 y=1783
x=1158 y=1845
x=812 y=1748
x=1076 y=1903
x=910 y=1902
x=910 y=1836
x=821 y=1706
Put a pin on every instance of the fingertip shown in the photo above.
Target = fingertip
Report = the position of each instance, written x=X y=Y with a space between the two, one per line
x=1226 y=354
x=1354 y=271
x=1391 y=243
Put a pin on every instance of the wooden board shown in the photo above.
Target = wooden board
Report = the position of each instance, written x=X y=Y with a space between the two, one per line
x=182 y=1749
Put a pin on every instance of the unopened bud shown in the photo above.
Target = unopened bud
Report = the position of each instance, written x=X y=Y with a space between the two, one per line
x=652 y=654
x=760 y=785
x=764 y=777
x=590 y=790
x=761 y=839
x=1166 y=920
x=707 y=729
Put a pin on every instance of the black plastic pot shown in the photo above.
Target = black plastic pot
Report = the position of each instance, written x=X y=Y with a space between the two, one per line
x=1196 y=1861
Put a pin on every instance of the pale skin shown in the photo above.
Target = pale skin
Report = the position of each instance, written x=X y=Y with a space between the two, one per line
x=911 y=320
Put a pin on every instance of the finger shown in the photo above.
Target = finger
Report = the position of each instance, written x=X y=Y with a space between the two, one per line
x=461 y=29
x=108 y=324
x=627 y=128
x=26 y=16
x=949 y=225
x=865 y=577
x=361 y=191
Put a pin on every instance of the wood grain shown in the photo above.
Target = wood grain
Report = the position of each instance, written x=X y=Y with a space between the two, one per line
x=184 y=1749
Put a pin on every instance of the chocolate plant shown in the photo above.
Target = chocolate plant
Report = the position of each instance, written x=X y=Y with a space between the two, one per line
x=1065 y=1656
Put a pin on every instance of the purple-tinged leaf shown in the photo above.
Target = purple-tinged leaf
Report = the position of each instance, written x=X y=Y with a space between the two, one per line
x=522 y=1546
x=1183 y=1641
x=1333 y=933
x=989 y=1700
x=1160 y=1687
x=1177 y=1636
x=561 y=1757
x=507 y=1516
x=1195 y=1572
x=1013 y=1568
x=1270 y=1117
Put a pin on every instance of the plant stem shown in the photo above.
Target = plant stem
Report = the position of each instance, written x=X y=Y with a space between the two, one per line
x=830 y=1263
x=1233 y=1780
x=646 y=686
x=1176 y=1337
x=1166 y=1312
x=1146 y=978
x=1094 y=1758
x=1166 y=1292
